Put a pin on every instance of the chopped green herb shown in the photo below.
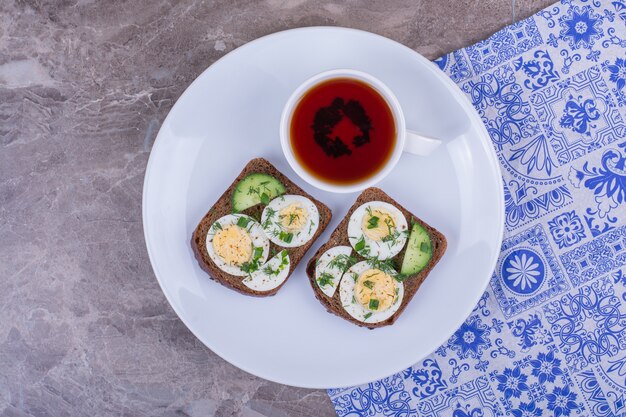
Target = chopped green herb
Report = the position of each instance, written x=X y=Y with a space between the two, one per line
x=355 y=276
x=388 y=266
x=243 y=222
x=400 y=277
x=368 y=284
x=342 y=262
x=367 y=316
x=391 y=237
x=265 y=199
x=217 y=226
x=325 y=279
x=389 y=224
x=361 y=247
x=373 y=304
x=424 y=247
x=253 y=265
x=269 y=271
x=372 y=222
x=311 y=226
x=285 y=237
x=293 y=217
x=284 y=261
x=270 y=214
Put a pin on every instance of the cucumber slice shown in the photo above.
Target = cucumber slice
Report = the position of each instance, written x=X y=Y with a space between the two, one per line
x=255 y=189
x=419 y=250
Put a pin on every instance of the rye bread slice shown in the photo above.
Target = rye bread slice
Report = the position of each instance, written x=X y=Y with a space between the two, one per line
x=223 y=206
x=340 y=237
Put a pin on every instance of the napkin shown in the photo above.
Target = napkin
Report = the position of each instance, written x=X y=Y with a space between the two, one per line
x=548 y=337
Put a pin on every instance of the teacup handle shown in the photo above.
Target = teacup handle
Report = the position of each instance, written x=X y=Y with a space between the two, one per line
x=419 y=144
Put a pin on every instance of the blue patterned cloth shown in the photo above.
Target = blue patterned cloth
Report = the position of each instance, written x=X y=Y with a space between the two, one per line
x=548 y=337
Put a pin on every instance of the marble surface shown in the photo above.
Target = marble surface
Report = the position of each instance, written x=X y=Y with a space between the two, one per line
x=84 y=87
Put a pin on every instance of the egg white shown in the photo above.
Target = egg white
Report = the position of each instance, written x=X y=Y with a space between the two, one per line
x=254 y=230
x=262 y=281
x=272 y=227
x=377 y=249
x=356 y=310
x=323 y=267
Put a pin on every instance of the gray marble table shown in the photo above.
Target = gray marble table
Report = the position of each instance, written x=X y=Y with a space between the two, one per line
x=84 y=87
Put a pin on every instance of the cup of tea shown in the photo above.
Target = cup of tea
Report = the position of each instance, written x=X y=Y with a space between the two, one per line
x=344 y=130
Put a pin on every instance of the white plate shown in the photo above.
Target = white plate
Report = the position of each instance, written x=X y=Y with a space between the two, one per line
x=229 y=115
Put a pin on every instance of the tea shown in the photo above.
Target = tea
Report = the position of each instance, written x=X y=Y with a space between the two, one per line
x=342 y=131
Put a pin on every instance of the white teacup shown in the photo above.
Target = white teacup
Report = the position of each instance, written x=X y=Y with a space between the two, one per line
x=406 y=140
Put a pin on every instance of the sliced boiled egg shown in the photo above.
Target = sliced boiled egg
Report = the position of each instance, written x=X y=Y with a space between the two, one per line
x=269 y=276
x=290 y=220
x=331 y=266
x=377 y=230
x=370 y=294
x=237 y=244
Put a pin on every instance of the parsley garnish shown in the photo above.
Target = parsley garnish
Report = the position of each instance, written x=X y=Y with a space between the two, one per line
x=368 y=284
x=373 y=304
x=265 y=199
x=325 y=279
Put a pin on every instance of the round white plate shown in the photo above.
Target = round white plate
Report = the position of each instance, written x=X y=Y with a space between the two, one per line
x=229 y=115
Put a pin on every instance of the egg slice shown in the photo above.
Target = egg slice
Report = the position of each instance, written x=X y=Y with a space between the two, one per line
x=290 y=220
x=377 y=230
x=331 y=267
x=369 y=294
x=270 y=275
x=237 y=244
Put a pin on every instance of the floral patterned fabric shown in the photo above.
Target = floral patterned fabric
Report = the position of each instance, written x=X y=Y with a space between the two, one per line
x=548 y=337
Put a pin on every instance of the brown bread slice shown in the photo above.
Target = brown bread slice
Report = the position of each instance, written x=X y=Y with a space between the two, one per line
x=223 y=206
x=340 y=237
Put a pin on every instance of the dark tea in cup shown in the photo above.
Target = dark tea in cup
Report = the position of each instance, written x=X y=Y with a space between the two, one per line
x=342 y=131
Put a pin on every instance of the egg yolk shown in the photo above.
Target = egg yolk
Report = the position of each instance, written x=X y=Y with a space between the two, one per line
x=233 y=244
x=375 y=290
x=293 y=217
x=378 y=224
